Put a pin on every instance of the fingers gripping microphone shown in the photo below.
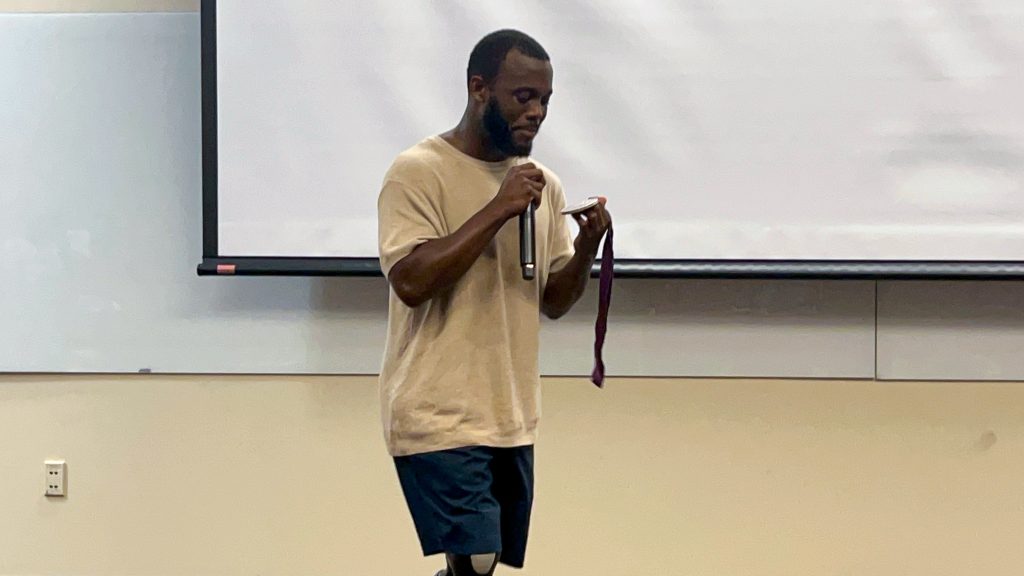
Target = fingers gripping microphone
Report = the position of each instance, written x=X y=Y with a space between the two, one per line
x=527 y=251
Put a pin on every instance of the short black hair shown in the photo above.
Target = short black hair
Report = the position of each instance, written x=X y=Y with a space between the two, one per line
x=490 y=52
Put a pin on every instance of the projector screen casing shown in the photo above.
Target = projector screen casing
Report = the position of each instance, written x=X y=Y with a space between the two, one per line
x=217 y=263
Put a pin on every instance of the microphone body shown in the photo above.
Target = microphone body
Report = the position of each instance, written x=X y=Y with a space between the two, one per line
x=527 y=249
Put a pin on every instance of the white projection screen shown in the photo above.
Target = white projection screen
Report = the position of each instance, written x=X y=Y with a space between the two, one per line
x=731 y=137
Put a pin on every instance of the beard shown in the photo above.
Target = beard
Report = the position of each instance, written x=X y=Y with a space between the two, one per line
x=499 y=132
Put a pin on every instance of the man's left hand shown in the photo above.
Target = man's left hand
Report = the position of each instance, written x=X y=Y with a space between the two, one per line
x=593 y=224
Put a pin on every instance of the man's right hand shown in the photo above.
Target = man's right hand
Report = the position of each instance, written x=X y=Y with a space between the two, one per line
x=437 y=264
x=522 y=186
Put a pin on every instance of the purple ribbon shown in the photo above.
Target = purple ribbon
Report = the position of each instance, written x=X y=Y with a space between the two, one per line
x=604 y=301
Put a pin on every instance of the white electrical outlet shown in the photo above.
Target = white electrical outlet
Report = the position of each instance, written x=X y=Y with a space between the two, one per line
x=56 y=475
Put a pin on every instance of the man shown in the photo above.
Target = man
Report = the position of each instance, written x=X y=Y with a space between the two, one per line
x=460 y=382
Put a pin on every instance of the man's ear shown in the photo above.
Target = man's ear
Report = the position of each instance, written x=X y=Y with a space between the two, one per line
x=479 y=91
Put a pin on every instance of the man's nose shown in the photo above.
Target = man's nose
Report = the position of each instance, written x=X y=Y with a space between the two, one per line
x=535 y=112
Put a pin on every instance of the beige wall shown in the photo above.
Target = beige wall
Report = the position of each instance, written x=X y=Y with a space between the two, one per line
x=286 y=476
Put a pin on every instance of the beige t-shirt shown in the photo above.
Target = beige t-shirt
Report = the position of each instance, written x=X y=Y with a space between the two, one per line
x=461 y=369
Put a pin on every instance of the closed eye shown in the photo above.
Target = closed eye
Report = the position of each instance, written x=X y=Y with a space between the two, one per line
x=523 y=96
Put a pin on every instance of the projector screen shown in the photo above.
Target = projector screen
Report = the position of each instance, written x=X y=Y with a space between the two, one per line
x=780 y=135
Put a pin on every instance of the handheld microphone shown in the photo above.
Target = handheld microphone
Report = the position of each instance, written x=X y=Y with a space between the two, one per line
x=527 y=252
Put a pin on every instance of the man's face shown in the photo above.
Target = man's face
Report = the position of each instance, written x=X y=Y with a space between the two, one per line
x=518 y=103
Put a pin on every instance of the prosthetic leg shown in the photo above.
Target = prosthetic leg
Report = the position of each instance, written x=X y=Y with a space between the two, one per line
x=475 y=565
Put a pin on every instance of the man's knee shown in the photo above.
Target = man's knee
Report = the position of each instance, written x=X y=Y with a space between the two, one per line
x=474 y=565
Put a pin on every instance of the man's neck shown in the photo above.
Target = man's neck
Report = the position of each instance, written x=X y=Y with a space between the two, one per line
x=469 y=138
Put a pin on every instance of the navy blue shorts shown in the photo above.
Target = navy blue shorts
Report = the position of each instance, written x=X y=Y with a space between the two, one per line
x=474 y=500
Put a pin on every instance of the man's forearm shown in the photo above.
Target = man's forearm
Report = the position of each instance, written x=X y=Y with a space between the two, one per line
x=438 y=264
x=566 y=286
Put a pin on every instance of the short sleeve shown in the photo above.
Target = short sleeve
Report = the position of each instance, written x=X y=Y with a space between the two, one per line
x=561 y=248
x=407 y=216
